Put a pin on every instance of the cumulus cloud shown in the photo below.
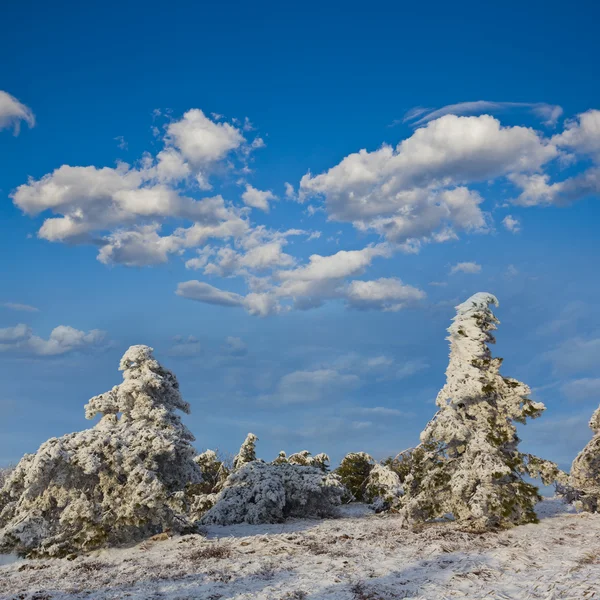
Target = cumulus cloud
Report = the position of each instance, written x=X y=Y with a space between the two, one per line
x=465 y=267
x=13 y=112
x=417 y=192
x=512 y=224
x=258 y=198
x=549 y=113
x=582 y=134
x=121 y=209
x=580 y=140
x=20 y=339
x=19 y=307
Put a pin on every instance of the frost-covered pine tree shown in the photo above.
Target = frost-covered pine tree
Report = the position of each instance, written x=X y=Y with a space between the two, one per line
x=247 y=452
x=585 y=471
x=468 y=463
x=354 y=471
x=126 y=478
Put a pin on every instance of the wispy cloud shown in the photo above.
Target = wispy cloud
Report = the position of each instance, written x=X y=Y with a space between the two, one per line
x=548 y=113
x=19 y=307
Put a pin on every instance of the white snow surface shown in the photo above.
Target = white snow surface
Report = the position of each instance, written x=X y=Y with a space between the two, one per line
x=360 y=556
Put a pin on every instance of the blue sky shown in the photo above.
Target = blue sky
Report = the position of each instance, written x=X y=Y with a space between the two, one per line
x=145 y=153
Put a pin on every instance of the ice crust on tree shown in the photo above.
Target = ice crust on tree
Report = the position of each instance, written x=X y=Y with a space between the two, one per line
x=585 y=471
x=120 y=481
x=270 y=493
x=468 y=463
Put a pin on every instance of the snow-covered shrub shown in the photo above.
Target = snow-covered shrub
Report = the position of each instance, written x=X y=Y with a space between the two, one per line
x=126 y=478
x=354 y=471
x=584 y=479
x=270 y=493
x=468 y=463
x=247 y=452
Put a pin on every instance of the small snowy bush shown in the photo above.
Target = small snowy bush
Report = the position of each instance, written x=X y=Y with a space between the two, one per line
x=585 y=471
x=270 y=493
x=468 y=463
x=125 y=479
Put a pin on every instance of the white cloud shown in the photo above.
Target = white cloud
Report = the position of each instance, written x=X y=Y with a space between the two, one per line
x=549 y=113
x=13 y=112
x=20 y=307
x=290 y=193
x=307 y=286
x=63 y=339
x=587 y=388
x=204 y=292
x=466 y=267
x=121 y=209
x=259 y=304
x=416 y=192
x=336 y=266
x=257 y=198
x=582 y=134
x=512 y=224
x=388 y=294
x=202 y=141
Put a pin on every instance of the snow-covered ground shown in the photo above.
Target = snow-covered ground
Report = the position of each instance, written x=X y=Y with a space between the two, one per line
x=360 y=556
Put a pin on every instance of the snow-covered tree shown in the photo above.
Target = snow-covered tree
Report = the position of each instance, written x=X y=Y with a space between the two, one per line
x=126 y=478
x=354 y=471
x=247 y=452
x=269 y=493
x=281 y=458
x=383 y=488
x=585 y=471
x=468 y=463
x=214 y=472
